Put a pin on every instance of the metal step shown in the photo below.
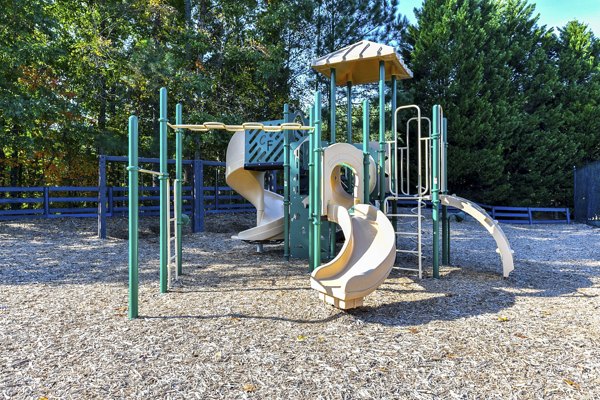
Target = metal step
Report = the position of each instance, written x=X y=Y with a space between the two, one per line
x=407 y=251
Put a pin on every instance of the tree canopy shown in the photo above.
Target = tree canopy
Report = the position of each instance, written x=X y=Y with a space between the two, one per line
x=522 y=99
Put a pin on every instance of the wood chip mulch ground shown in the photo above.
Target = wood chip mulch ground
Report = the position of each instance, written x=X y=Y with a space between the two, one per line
x=247 y=325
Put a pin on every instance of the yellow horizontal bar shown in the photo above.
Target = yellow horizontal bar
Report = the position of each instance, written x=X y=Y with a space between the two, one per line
x=147 y=171
x=291 y=126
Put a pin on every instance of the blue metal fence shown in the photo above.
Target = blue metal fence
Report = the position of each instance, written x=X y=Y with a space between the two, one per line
x=518 y=215
x=82 y=201
x=106 y=201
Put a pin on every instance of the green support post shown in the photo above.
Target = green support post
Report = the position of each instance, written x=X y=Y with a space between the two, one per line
x=349 y=113
x=393 y=153
x=381 y=134
x=311 y=201
x=332 y=127
x=332 y=105
x=286 y=185
x=317 y=183
x=179 y=179
x=444 y=174
x=435 y=199
x=311 y=184
x=133 y=217
x=366 y=154
x=164 y=196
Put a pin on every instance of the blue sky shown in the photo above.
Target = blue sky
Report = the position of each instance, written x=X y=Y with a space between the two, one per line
x=552 y=12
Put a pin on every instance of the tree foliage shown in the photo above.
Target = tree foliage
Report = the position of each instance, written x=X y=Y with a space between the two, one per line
x=515 y=95
x=522 y=100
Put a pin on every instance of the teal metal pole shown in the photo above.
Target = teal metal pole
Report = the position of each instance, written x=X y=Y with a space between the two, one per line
x=317 y=182
x=286 y=185
x=366 y=154
x=393 y=160
x=311 y=189
x=349 y=113
x=164 y=195
x=332 y=125
x=133 y=217
x=435 y=199
x=445 y=219
x=179 y=179
x=332 y=105
x=381 y=134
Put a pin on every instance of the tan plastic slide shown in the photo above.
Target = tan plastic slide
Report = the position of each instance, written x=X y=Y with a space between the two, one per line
x=365 y=260
x=250 y=185
x=506 y=253
x=369 y=249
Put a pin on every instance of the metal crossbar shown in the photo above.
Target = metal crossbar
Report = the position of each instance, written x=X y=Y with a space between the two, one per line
x=207 y=126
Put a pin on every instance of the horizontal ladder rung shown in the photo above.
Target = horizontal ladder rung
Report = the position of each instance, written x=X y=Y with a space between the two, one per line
x=407 y=251
x=405 y=215
x=407 y=269
x=407 y=233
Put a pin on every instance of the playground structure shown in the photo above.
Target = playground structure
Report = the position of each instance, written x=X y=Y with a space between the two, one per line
x=326 y=184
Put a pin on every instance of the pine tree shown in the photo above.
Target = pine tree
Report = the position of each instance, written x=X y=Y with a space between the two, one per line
x=456 y=63
x=538 y=152
x=578 y=52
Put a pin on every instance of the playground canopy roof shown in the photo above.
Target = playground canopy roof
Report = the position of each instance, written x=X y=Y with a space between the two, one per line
x=359 y=63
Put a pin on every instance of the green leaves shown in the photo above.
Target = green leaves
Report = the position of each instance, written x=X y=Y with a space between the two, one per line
x=518 y=98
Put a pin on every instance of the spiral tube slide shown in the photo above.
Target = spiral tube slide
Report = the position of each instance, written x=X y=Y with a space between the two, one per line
x=250 y=185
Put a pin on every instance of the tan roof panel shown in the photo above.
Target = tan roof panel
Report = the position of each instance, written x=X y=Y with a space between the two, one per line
x=359 y=63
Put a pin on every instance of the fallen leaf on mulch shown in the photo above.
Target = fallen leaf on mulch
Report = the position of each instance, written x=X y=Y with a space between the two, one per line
x=249 y=388
x=572 y=383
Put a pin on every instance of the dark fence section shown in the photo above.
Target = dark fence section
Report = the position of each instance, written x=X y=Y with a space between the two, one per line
x=74 y=201
x=203 y=193
x=517 y=215
x=529 y=215
x=586 y=193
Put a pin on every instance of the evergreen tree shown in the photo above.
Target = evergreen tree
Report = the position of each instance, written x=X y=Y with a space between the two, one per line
x=578 y=53
x=538 y=152
x=456 y=63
